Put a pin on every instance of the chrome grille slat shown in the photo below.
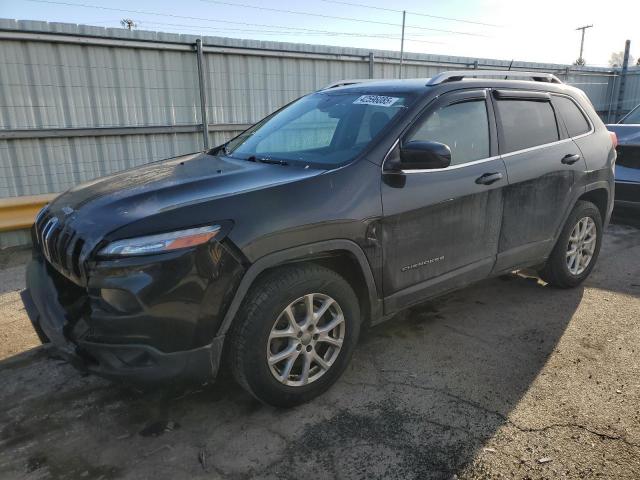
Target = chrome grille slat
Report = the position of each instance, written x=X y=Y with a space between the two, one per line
x=69 y=253
x=56 y=236
x=46 y=233
x=75 y=257
x=60 y=245
x=40 y=214
x=63 y=243
x=39 y=226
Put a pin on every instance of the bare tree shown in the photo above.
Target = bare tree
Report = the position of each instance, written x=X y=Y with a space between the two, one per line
x=128 y=23
x=580 y=62
x=617 y=58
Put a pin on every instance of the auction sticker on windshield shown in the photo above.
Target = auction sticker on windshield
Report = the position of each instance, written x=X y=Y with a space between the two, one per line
x=380 y=100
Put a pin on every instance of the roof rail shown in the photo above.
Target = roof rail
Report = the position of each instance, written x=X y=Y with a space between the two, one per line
x=458 y=75
x=344 y=83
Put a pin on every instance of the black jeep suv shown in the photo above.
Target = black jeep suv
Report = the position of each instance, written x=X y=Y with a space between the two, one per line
x=270 y=253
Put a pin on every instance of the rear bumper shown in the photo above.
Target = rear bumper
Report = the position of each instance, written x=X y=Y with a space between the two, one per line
x=132 y=363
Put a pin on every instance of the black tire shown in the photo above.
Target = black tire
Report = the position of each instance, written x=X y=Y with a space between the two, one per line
x=246 y=353
x=556 y=271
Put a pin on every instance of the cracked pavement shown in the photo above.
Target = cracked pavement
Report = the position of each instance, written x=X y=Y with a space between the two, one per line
x=507 y=378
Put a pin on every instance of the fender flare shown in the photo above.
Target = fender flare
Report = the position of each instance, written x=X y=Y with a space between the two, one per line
x=598 y=185
x=300 y=253
x=603 y=185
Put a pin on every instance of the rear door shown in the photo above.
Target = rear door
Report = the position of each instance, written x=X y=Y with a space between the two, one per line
x=541 y=163
x=440 y=227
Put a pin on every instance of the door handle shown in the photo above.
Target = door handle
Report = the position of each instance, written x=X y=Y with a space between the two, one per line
x=570 y=159
x=489 y=178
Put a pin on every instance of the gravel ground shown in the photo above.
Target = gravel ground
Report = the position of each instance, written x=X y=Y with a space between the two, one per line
x=16 y=334
x=508 y=378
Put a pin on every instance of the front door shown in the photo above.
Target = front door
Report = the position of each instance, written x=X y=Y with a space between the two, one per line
x=441 y=227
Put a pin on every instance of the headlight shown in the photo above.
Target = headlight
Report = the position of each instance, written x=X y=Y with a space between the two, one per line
x=163 y=242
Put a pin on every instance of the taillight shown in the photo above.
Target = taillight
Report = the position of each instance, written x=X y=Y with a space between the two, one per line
x=614 y=139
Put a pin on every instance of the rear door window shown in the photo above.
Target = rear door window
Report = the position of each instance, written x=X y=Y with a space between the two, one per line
x=464 y=127
x=573 y=117
x=526 y=124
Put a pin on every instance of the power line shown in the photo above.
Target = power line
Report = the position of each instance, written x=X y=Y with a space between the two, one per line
x=410 y=12
x=292 y=30
x=280 y=32
x=184 y=17
x=335 y=17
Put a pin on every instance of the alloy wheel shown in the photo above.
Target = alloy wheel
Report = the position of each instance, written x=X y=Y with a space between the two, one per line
x=305 y=339
x=581 y=246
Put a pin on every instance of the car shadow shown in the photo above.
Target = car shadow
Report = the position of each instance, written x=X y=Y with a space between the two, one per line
x=423 y=396
x=626 y=216
x=423 y=393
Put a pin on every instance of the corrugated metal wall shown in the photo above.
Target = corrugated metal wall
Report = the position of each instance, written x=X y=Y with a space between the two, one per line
x=143 y=79
x=632 y=90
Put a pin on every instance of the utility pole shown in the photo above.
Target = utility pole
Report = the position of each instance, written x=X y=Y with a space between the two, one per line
x=203 y=93
x=580 y=59
x=404 y=14
x=623 y=79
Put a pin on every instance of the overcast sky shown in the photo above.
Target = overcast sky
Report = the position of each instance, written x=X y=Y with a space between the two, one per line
x=541 y=30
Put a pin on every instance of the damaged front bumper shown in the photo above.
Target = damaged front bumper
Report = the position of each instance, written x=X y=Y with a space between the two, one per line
x=69 y=327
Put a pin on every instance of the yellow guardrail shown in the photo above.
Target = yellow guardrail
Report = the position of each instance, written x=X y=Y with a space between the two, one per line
x=20 y=212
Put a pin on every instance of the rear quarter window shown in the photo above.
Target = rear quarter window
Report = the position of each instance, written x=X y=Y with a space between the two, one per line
x=526 y=124
x=572 y=116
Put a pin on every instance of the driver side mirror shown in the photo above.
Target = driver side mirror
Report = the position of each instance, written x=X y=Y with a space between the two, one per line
x=416 y=155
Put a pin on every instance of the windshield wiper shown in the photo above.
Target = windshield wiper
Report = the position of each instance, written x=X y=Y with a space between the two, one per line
x=271 y=161
x=219 y=149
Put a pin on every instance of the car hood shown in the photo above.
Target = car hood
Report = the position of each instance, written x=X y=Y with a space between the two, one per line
x=165 y=190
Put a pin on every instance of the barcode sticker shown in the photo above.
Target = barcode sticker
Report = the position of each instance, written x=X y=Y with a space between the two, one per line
x=380 y=100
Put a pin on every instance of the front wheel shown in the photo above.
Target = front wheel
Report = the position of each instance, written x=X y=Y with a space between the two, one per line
x=294 y=335
x=577 y=249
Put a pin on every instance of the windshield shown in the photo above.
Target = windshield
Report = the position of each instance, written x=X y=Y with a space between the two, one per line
x=632 y=118
x=322 y=129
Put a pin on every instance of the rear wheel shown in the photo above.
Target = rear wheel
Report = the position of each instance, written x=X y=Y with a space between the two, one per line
x=294 y=335
x=577 y=249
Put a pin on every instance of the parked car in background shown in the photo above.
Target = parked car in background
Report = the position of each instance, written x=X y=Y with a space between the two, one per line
x=628 y=162
x=269 y=253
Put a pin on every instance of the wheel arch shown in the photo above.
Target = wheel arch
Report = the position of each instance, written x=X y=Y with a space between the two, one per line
x=343 y=256
x=598 y=193
x=599 y=196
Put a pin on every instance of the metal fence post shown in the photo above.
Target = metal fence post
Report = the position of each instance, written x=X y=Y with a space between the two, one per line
x=203 y=95
x=371 y=64
x=404 y=15
x=611 y=93
x=623 y=79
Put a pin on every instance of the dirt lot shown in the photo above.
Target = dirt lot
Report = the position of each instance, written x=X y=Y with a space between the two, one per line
x=508 y=379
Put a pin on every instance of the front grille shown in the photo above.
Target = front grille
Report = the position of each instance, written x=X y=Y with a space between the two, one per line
x=60 y=245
